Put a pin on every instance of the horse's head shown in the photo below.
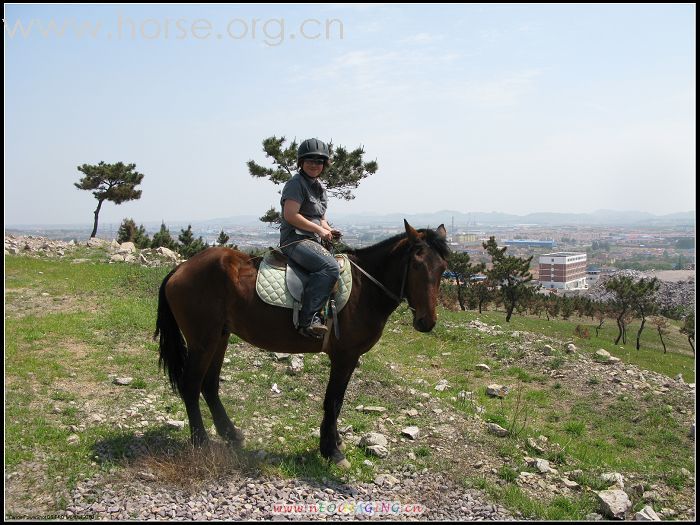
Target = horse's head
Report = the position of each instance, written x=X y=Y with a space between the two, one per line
x=427 y=261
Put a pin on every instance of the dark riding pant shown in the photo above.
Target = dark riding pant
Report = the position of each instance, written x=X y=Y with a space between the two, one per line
x=323 y=273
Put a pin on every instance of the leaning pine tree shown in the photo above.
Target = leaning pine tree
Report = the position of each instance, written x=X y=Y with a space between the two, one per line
x=346 y=171
x=511 y=274
x=110 y=182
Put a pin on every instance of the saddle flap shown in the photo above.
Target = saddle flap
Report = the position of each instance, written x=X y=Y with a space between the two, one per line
x=273 y=283
x=296 y=281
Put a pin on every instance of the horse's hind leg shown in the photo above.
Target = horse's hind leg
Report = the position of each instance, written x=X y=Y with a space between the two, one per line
x=224 y=426
x=199 y=358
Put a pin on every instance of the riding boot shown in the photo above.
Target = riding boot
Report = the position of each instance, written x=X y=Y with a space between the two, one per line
x=316 y=329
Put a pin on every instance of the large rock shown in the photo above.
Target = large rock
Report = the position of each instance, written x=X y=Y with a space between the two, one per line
x=497 y=390
x=372 y=439
x=127 y=247
x=166 y=252
x=411 y=432
x=646 y=514
x=614 y=503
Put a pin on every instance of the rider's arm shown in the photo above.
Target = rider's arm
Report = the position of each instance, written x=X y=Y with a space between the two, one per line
x=296 y=219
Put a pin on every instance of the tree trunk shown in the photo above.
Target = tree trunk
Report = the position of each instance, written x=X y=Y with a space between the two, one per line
x=690 y=340
x=620 y=330
x=97 y=214
x=662 y=341
x=639 y=333
x=509 y=311
x=599 y=327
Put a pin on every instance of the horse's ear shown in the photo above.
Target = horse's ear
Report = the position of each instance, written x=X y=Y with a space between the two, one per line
x=441 y=231
x=411 y=232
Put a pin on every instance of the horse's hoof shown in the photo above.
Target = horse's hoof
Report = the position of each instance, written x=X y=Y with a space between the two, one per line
x=343 y=464
x=236 y=438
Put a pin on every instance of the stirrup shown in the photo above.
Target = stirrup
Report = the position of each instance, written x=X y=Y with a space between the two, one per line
x=314 y=332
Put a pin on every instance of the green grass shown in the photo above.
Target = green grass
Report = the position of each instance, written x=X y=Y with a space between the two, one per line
x=63 y=358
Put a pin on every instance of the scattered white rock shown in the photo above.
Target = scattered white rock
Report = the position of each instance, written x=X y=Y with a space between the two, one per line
x=442 y=385
x=372 y=439
x=497 y=430
x=614 y=503
x=496 y=390
x=483 y=367
x=123 y=380
x=646 y=514
x=296 y=366
x=411 y=432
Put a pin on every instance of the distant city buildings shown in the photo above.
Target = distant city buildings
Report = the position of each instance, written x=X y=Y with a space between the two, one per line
x=530 y=243
x=563 y=270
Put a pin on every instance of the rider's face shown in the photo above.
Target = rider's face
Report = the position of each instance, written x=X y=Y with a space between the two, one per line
x=313 y=167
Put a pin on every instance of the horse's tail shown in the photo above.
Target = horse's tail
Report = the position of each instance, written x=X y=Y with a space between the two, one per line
x=173 y=351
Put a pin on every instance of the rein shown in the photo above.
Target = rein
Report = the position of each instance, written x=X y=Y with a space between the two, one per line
x=398 y=298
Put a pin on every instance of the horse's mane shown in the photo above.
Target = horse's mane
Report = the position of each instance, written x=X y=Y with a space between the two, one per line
x=429 y=236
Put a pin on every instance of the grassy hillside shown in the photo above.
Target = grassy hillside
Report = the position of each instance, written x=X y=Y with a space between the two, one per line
x=71 y=328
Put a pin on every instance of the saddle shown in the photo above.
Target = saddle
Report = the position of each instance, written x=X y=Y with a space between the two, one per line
x=280 y=282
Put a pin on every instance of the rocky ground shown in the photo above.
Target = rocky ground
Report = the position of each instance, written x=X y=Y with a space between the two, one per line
x=32 y=246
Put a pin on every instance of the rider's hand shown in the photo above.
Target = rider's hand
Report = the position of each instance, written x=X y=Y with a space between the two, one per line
x=327 y=235
x=336 y=234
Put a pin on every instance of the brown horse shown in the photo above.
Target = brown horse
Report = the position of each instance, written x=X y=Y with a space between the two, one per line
x=213 y=295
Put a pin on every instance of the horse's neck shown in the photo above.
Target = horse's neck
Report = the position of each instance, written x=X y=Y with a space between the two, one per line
x=387 y=266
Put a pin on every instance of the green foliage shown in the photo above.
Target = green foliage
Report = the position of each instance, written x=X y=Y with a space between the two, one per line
x=164 y=239
x=222 y=239
x=461 y=266
x=190 y=246
x=340 y=177
x=112 y=182
x=128 y=232
x=685 y=243
x=510 y=273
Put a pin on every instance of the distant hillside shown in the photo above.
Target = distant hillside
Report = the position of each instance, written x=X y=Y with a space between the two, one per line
x=597 y=218
x=434 y=219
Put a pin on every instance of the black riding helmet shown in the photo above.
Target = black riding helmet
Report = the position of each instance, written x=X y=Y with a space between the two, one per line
x=313 y=147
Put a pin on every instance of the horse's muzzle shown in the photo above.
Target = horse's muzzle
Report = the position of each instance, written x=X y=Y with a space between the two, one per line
x=423 y=324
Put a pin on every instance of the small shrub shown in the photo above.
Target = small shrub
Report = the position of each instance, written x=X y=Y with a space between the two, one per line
x=582 y=332
x=508 y=474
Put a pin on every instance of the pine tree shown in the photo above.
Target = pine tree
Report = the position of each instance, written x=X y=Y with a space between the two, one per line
x=128 y=232
x=464 y=270
x=111 y=182
x=190 y=246
x=222 y=239
x=621 y=288
x=164 y=239
x=509 y=273
x=340 y=178
x=643 y=301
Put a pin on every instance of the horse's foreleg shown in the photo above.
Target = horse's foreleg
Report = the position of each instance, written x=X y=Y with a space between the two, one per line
x=210 y=389
x=341 y=371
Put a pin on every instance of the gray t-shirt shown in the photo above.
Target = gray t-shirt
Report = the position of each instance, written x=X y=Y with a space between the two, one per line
x=311 y=194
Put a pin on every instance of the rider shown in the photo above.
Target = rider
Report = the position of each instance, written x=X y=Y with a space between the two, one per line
x=304 y=226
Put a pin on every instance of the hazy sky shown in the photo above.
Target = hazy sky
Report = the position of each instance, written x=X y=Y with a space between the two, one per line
x=475 y=108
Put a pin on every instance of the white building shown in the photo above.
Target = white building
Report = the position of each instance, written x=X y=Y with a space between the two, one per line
x=563 y=270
